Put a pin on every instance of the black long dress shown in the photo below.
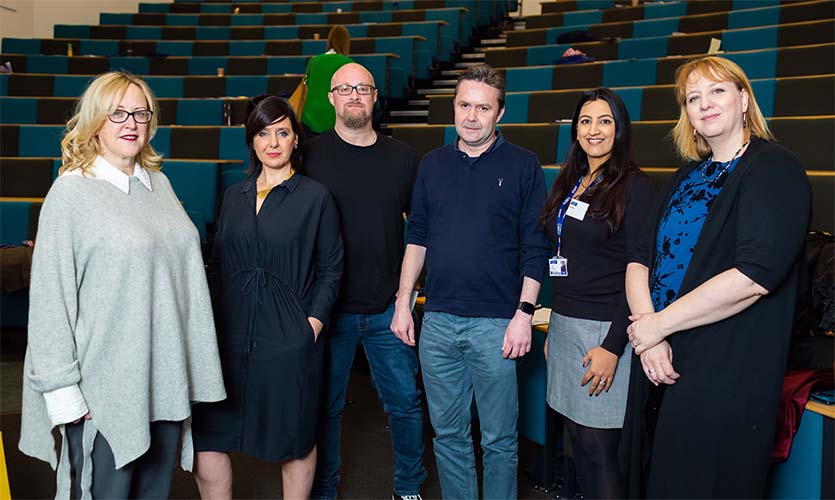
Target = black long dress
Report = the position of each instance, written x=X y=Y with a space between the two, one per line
x=267 y=274
x=715 y=426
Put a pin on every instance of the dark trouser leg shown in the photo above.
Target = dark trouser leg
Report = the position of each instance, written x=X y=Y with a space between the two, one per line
x=341 y=341
x=154 y=471
x=596 y=457
x=108 y=482
x=394 y=369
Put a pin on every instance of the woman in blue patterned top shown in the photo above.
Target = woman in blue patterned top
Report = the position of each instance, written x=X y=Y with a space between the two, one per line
x=712 y=286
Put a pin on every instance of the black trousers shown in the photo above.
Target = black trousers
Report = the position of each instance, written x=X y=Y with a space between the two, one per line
x=147 y=477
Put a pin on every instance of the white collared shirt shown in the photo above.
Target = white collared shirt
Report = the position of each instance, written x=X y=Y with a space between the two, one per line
x=102 y=169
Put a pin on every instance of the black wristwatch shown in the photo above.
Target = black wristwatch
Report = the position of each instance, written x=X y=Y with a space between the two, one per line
x=526 y=307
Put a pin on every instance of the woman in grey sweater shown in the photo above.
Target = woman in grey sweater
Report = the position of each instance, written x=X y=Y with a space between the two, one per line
x=121 y=334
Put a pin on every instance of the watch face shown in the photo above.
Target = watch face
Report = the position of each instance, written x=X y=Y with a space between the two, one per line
x=527 y=307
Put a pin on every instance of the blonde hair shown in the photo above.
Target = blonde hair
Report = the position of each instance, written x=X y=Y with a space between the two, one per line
x=339 y=40
x=690 y=144
x=80 y=144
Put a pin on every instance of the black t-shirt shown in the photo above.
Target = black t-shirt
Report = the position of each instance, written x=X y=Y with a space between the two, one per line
x=372 y=186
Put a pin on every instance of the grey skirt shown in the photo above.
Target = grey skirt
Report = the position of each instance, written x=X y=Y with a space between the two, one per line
x=569 y=339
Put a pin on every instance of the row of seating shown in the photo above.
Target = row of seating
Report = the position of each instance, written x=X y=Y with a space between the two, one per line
x=488 y=11
x=198 y=184
x=391 y=77
x=184 y=111
x=450 y=15
x=809 y=137
x=698 y=7
x=803 y=135
x=757 y=37
x=676 y=16
x=663 y=45
x=436 y=42
x=766 y=63
x=143 y=56
x=20 y=84
x=775 y=96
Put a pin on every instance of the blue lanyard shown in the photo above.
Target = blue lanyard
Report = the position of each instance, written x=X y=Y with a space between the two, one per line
x=564 y=209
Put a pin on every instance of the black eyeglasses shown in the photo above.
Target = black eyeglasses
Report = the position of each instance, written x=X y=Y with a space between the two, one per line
x=345 y=90
x=121 y=116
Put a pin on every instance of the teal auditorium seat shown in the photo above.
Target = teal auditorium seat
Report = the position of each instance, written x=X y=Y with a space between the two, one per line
x=18 y=218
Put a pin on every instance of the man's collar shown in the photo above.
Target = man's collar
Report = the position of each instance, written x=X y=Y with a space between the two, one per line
x=496 y=143
x=102 y=169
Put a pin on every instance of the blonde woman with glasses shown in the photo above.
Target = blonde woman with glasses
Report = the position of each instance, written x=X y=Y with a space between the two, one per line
x=121 y=337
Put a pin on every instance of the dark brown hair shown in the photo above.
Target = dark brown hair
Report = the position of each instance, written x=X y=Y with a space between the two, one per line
x=267 y=111
x=619 y=166
x=484 y=73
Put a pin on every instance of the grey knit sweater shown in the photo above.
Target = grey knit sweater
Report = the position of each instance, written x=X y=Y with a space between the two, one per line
x=119 y=306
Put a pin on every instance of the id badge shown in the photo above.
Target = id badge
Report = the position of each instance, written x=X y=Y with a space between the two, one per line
x=558 y=267
x=577 y=209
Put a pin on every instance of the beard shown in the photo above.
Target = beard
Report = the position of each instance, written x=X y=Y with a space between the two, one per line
x=355 y=118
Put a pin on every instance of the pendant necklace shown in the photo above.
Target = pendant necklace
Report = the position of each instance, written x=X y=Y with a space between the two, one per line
x=724 y=166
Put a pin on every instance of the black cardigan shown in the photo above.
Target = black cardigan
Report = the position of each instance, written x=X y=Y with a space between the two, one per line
x=715 y=425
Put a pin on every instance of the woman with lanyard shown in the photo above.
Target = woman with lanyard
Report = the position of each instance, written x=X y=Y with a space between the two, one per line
x=594 y=213
x=712 y=290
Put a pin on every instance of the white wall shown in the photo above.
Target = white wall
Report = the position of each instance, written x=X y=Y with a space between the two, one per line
x=36 y=18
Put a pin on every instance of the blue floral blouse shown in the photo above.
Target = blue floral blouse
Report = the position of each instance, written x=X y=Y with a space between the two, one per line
x=680 y=227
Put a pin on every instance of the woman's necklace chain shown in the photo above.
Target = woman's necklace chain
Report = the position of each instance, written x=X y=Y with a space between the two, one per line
x=725 y=166
x=264 y=192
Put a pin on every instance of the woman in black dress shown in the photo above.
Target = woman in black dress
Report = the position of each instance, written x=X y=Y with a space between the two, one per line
x=712 y=291
x=274 y=277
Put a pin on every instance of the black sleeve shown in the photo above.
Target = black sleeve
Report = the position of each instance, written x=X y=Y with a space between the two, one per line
x=414 y=161
x=639 y=200
x=329 y=252
x=774 y=209
x=213 y=268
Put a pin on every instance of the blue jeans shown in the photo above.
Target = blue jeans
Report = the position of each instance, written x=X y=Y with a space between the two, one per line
x=461 y=357
x=394 y=368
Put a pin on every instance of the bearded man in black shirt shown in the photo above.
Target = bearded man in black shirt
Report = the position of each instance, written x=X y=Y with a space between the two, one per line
x=371 y=178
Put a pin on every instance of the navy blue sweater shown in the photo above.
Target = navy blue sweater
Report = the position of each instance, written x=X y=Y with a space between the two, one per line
x=478 y=219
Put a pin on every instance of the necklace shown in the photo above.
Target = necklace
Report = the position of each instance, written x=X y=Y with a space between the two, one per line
x=724 y=166
x=264 y=192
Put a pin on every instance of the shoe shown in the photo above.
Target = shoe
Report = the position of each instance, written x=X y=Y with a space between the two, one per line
x=416 y=496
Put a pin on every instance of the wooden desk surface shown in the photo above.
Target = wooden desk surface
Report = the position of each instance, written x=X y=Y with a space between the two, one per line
x=825 y=410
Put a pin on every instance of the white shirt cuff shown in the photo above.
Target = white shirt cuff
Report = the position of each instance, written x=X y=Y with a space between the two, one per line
x=65 y=405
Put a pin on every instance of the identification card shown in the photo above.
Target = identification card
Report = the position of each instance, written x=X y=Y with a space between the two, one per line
x=558 y=267
x=577 y=209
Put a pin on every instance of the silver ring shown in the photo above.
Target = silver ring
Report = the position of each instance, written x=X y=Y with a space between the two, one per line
x=650 y=370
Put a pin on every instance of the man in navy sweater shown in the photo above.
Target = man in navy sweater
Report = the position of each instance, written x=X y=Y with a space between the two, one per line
x=475 y=208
